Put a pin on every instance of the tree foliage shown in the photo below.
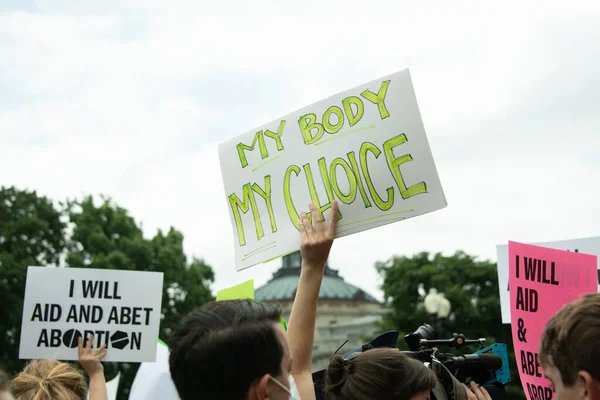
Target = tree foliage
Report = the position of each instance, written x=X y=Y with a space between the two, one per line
x=31 y=234
x=84 y=235
x=470 y=285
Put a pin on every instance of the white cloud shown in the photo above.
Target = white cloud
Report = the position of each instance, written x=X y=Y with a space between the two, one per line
x=130 y=99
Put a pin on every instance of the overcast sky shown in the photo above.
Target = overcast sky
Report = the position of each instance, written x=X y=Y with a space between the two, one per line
x=130 y=98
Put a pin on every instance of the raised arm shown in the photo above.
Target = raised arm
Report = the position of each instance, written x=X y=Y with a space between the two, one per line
x=315 y=247
x=90 y=361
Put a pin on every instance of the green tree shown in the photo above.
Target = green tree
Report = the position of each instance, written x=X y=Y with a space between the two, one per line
x=470 y=285
x=31 y=234
x=107 y=237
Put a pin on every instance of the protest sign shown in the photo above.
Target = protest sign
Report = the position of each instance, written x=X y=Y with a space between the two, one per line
x=365 y=147
x=589 y=245
x=542 y=280
x=121 y=309
x=242 y=291
x=153 y=379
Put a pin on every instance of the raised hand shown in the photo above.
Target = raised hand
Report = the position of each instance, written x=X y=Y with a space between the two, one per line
x=90 y=359
x=317 y=239
x=315 y=247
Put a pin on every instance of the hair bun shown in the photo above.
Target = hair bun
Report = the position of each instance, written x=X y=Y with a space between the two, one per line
x=46 y=378
x=336 y=374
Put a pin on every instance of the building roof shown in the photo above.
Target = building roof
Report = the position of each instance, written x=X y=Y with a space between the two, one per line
x=364 y=320
x=283 y=284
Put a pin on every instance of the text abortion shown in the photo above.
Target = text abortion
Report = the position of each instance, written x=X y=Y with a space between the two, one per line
x=92 y=314
x=376 y=123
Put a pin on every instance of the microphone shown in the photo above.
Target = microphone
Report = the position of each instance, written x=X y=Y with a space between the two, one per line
x=485 y=361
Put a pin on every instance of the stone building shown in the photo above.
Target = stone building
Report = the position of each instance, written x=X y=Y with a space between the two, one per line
x=344 y=311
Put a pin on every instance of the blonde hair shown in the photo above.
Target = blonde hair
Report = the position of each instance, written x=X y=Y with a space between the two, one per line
x=49 y=380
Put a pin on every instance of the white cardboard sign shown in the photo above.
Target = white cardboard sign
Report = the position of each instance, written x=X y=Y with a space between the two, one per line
x=586 y=246
x=365 y=147
x=119 y=308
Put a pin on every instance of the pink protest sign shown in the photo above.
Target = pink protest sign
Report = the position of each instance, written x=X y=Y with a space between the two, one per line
x=541 y=281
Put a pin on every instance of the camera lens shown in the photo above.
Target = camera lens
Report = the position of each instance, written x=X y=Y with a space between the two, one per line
x=425 y=331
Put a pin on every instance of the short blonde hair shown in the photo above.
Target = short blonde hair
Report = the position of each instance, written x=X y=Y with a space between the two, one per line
x=49 y=380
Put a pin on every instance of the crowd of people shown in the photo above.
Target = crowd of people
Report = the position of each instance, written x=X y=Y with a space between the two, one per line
x=238 y=350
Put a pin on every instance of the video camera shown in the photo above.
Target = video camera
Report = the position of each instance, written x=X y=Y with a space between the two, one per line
x=488 y=366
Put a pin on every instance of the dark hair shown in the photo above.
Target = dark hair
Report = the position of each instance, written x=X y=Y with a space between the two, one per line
x=4 y=381
x=221 y=348
x=571 y=342
x=384 y=374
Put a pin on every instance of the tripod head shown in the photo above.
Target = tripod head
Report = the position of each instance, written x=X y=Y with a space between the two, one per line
x=427 y=337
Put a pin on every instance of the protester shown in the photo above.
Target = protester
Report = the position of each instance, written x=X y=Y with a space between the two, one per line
x=55 y=380
x=238 y=349
x=229 y=349
x=4 y=387
x=383 y=373
x=570 y=350
x=376 y=373
x=388 y=374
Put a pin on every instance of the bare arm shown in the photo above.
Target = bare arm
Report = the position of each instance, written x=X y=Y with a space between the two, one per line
x=98 y=387
x=90 y=361
x=316 y=244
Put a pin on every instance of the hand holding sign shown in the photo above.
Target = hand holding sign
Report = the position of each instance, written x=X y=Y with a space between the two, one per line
x=365 y=147
x=317 y=241
x=90 y=359
x=120 y=309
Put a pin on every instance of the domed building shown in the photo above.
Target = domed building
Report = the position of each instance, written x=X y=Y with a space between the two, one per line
x=344 y=312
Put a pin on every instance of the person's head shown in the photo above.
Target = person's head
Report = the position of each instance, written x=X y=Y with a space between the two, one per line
x=231 y=349
x=570 y=350
x=49 y=380
x=384 y=374
x=4 y=386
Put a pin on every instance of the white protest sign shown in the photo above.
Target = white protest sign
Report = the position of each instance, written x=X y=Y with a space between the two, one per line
x=586 y=246
x=112 y=387
x=365 y=147
x=153 y=380
x=121 y=309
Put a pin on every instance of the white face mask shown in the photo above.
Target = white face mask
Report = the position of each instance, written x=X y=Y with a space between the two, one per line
x=292 y=391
